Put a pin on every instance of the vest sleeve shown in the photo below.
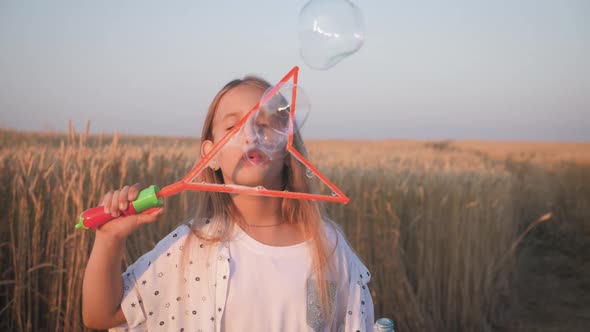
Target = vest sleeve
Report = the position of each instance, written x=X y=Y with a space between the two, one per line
x=146 y=278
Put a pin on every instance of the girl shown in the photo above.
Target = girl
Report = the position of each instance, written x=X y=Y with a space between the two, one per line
x=244 y=263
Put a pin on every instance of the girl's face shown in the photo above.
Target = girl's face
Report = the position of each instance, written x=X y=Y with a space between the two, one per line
x=241 y=161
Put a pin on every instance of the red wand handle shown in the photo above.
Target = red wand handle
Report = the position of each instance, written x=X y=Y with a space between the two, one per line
x=95 y=216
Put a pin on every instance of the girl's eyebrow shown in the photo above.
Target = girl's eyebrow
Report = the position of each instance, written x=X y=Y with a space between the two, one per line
x=232 y=114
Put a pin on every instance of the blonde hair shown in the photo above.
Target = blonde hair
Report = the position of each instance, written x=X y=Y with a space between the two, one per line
x=220 y=213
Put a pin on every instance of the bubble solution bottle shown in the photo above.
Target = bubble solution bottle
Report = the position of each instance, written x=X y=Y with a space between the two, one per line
x=384 y=325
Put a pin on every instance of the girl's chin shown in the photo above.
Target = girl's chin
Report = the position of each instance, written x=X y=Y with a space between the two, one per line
x=253 y=179
x=250 y=182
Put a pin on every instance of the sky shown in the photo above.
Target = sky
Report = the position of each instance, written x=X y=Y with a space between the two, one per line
x=434 y=70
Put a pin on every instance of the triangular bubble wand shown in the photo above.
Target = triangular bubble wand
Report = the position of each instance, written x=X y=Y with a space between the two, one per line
x=152 y=197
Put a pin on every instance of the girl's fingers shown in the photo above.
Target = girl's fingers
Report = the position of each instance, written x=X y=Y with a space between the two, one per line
x=133 y=192
x=126 y=225
x=115 y=204
x=106 y=202
x=123 y=198
x=151 y=217
x=116 y=201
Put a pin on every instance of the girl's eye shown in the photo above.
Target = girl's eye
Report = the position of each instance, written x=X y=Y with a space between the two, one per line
x=229 y=128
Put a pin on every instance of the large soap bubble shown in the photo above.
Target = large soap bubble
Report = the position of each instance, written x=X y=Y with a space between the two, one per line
x=329 y=31
x=267 y=130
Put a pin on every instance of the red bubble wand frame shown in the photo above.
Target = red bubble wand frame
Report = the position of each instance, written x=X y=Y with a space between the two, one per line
x=152 y=197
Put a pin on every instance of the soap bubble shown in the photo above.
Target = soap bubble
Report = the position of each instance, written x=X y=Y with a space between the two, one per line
x=329 y=31
x=276 y=104
x=268 y=128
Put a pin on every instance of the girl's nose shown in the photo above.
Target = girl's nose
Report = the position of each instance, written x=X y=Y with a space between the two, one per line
x=249 y=133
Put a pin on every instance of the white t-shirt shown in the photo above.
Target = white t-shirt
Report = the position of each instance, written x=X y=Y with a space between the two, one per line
x=241 y=285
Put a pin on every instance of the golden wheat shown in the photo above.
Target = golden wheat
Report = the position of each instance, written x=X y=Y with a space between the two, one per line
x=445 y=227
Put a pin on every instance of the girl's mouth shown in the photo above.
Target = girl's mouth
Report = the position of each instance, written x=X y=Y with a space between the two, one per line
x=254 y=157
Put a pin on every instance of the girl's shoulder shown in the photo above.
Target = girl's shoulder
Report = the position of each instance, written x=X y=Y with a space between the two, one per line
x=185 y=231
x=175 y=242
x=171 y=254
x=347 y=261
x=337 y=240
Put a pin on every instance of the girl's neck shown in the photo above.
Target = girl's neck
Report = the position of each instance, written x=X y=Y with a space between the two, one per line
x=259 y=210
x=265 y=223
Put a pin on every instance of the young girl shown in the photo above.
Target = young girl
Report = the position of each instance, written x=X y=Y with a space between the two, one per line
x=244 y=263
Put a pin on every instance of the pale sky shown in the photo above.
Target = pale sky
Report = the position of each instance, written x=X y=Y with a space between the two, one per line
x=509 y=69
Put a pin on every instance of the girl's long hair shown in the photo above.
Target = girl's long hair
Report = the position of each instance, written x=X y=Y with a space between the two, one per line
x=310 y=216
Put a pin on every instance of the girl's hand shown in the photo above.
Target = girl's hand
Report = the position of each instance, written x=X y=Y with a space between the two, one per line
x=122 y=226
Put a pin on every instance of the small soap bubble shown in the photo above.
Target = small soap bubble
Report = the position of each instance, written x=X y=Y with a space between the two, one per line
x=260 y=188
x=309 y=173
x=329 y=31
x=334 y=194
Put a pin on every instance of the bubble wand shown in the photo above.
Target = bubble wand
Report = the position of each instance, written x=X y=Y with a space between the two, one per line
x=153 y=197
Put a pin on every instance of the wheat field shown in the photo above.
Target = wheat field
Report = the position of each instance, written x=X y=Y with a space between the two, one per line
x=459 y=235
